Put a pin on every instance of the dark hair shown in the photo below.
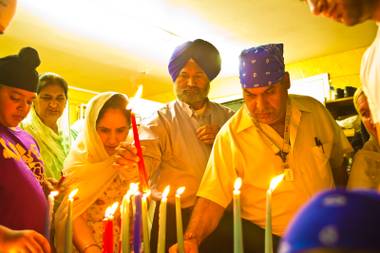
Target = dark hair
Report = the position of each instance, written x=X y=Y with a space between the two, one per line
x=49 y=78
x=117 y=101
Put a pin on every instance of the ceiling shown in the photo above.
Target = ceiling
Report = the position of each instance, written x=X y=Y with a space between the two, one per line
x=119 y=44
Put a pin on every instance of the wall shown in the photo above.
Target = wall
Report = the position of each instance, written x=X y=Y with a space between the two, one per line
x=76 y=98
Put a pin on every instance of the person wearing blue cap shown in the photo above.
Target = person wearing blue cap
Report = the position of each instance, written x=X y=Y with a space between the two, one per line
x=178 y=138
x=272 y=133
x=336 y=221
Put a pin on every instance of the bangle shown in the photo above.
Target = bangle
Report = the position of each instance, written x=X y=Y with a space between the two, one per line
x=190 y=236
x=87 y=246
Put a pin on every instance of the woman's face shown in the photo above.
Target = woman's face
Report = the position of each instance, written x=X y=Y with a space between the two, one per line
x=365 y=114
x=50 y=102
x=112 y=128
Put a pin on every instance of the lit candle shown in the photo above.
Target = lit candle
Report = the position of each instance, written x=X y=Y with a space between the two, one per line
x=137 y=223
x=69 y=223
x=124 y=210
x=268 y=226
x=162 y=221
x=108 y=228
x=238 y=238
x=146 y=238
x=178 y=215
x=51 y=199
x=143 y=177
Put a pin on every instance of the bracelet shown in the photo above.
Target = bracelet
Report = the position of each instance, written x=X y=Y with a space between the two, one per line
x=92 y=244
x=190 y=236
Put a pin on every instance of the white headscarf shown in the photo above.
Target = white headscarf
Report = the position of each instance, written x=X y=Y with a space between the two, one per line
x=88 y=167
x=370 y=76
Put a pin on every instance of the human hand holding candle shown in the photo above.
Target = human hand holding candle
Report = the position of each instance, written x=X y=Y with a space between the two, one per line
x=178 y=214
x=238 y=234
x=162 y=221
x=108 y=228
x=143 y=176
x=69 y=223
x=268 y=226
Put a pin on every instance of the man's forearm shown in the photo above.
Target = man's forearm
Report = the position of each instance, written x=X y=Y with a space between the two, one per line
x=204 y=219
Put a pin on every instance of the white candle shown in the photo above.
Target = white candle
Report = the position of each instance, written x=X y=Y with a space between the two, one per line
x=144 y=212
x=268 y=226
x=162 y=222
x=178 y=214
x=69 y=223
x=125 y=218
x=238 y=234
x=51 y=199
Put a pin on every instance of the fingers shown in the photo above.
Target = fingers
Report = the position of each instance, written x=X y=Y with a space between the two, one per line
x=173 y=249
x=207 y=133
x=42 y=242
x=27 y=241
x=125 y=156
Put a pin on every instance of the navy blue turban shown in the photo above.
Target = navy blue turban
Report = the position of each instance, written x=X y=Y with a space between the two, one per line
x=202 y=52
x=336 y=219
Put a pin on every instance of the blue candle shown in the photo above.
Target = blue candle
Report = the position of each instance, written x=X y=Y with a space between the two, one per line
x=137 y=224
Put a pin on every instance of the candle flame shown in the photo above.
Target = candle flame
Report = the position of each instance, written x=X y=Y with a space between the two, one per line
x=166 y=192
x=53 y=194
x=146 y=194
x=237 y=184
x=72 y=194
x=111 y=210
x=133 y=188
x=133 y=100
x=180 y=190
x=275 y=182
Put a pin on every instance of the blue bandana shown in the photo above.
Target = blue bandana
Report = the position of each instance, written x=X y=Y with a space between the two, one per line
x=336 y=219
x=202 y=52
x=261 y=66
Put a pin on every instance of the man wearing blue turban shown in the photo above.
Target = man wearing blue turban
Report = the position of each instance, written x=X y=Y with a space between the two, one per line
x=272 y=133
x=179 y=137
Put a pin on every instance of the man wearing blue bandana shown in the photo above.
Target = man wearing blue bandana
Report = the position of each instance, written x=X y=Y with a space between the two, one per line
x=272 y=133
x=179 y=137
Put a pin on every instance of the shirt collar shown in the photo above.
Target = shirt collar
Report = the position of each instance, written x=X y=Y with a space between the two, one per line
x=187 y=109
x=246 y=121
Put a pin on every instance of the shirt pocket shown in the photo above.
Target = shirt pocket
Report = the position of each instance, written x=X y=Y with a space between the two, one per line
x=321 y=156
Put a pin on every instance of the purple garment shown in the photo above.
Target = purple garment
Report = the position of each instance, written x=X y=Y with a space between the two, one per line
x=261 y=66
x=23 y=204
x=202 y=52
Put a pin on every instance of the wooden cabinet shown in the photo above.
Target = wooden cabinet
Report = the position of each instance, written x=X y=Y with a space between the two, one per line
x=341 y=108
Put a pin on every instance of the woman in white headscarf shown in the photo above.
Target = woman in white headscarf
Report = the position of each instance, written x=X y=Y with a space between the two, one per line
x=90 y=167
x=365 y=172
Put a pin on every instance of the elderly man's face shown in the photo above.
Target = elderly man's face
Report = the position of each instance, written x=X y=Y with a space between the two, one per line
x=192 y=84
x=268 y=104
x=365 y=114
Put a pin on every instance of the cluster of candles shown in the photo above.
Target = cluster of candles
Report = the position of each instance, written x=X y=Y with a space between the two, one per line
x=140 y=220
x=139 y=203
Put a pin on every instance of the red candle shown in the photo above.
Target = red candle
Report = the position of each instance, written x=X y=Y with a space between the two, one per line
x=108 y=228
x=142 y=172
x=108 y=236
